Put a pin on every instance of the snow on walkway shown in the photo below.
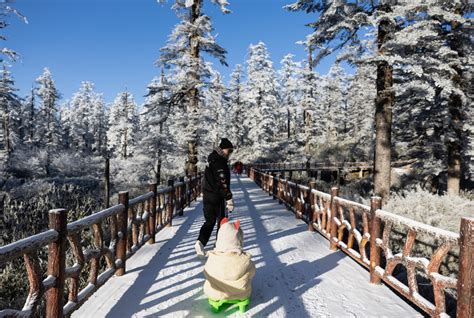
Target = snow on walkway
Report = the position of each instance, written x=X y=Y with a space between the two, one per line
x=297 y=274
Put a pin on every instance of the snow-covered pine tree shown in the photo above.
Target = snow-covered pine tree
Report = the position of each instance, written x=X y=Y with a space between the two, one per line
x=47 y=124
x=7 y=9
x=237 y=108
x=190 y=38
x=289 y=92
x=123 y=125
x=10 y=113
x=87 y=120
x=156 y=143
x=409 y=35
x=28 y=119
x=333 y=103
x=338 y=26
x=215 y=118
x=65 y=121
x=99 y=125
x=431 y=55
x=311 y=121
x=360 y=112
x=262 y=102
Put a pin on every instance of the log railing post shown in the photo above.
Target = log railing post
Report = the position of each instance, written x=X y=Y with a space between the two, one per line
x=297 y=200
x=159 y=217
x=275 y=186
x=107 y=181
x=270 y=184
x=198 y=185
x=152 y=208
x=180 y=196
x=170 y=202
x=312 y=206
x=332 y=222
x=375 y=229
x=195 y=187
x=189 y=187
x=122 y=219
x=465 y=304
x=280 y=188
x=57 y=263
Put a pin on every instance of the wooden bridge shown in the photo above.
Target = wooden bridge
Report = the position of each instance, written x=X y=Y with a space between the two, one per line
x=342 y=266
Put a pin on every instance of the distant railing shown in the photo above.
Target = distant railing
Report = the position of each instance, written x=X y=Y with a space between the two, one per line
x=354 y=228
x=131 y=223
x=302 y=166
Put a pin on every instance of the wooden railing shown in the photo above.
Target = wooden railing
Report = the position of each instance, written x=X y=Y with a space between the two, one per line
x=354 y=228
x=302 y=166
x=129 y=224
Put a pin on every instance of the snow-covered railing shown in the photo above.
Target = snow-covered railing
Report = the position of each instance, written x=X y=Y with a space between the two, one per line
x=364 y=233
x=116 y=233
x=302 y=166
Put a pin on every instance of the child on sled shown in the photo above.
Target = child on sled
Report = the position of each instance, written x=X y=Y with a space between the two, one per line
x=229 y=270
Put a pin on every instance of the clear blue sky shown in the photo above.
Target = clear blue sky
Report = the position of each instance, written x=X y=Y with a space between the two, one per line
x=114 y=43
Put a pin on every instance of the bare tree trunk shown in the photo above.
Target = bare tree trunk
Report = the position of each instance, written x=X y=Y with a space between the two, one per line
x=307 y=118
x=454 y=168
x=125 y=137
x=455 y=123
x=32 y=117
x=158 y=172
x=124 y=146
x=191 y=164
x=6 y=134
x=288 y=125
x=159 y=161
x=107 y=182
x=383 y=118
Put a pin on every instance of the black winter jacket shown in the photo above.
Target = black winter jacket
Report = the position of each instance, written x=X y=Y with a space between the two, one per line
x=216 y=187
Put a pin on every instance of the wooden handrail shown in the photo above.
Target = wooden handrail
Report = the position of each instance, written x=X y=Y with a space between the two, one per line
x=132 y=223
x=350 y=226
x=323 y=165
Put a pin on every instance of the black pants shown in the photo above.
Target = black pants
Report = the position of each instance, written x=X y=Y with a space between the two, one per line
x=212 y=212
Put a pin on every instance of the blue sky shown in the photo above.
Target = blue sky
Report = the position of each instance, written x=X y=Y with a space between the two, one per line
x=114 y=43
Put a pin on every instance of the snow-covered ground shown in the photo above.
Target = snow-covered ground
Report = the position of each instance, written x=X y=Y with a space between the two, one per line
x=297 y=274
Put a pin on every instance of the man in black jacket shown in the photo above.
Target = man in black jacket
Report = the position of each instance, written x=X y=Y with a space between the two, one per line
x=216 y=192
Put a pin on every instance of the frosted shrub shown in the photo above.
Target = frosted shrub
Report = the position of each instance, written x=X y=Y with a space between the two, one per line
x=74 y=165
x=130 y=174
x=439 y=211
x=28 y=164
x=25 y=206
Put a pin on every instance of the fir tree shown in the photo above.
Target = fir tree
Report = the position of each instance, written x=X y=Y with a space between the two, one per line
x=262 y=101
x=156 y=141
x=47 y=125
x=190 y=38
x=123 y=125
x=237 y=107
x=10 y=112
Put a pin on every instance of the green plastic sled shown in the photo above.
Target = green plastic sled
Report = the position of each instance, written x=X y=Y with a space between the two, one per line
x=216 y=304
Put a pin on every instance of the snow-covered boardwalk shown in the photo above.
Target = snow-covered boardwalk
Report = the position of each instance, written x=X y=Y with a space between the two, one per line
x=297 y=274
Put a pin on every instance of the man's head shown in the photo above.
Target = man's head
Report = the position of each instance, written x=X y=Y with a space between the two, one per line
x=226 y=146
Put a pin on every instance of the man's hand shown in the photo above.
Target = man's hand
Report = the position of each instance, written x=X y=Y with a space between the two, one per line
x=230 y=205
